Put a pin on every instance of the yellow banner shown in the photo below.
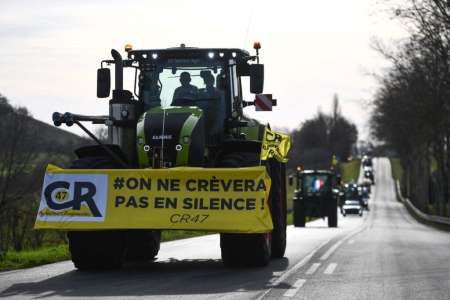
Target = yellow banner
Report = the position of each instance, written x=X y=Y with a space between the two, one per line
x=275 y=145
x=221 y=200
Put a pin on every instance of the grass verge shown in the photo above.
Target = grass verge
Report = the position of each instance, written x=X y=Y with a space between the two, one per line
x=31 y=258
x=397 y=170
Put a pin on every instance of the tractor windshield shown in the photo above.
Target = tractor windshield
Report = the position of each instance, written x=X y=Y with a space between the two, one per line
x=195 y=87
x=187 y=85
x=351 y=193
x=182 y=86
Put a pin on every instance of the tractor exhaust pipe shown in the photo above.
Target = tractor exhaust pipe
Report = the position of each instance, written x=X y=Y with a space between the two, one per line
x=119 y=69
x=123 y=110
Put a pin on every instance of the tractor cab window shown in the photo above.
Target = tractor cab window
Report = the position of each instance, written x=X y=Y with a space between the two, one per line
x=316 y=184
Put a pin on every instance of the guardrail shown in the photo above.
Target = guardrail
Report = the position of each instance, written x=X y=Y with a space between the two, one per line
x=426 y=217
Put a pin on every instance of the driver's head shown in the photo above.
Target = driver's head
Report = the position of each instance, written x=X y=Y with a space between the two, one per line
x=185 y=78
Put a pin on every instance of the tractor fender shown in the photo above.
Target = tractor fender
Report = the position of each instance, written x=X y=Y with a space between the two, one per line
x=241 y=146
x=97 y=150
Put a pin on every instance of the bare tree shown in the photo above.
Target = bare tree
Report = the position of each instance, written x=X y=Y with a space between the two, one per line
x=412 y=105
x=17 y=154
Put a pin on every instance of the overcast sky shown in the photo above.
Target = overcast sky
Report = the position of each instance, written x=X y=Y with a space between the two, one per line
x=50 y=49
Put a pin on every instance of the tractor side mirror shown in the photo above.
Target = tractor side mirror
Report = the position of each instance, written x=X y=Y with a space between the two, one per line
x=256 y=78
x=103 y=82
x=291 y=180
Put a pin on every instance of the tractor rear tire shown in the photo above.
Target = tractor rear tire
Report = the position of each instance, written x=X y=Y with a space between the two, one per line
x=299 y=213
x=333 y=216
x=142 y=245
x=277 y=198
x=244 y=250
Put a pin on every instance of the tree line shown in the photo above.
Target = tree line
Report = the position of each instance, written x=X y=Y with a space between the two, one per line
x=412 y=102
x=320 y=138
x=27 y=146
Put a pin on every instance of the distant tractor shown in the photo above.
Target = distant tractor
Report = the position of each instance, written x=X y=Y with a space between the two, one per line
x=365 y=196
x=368 y=174
x=368 y=169
x=316 y=195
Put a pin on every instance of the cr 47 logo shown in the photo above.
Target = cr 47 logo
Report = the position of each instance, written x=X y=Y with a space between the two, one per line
x=55 y=194
x=76 y=197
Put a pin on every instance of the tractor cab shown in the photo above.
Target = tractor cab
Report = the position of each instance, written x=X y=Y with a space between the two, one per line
x=179 y=106
x=187 y=101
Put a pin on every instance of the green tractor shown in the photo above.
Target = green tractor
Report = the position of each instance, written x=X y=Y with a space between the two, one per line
x=185 y=108
x=317 y=195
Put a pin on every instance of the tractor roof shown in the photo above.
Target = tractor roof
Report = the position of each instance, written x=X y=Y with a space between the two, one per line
x=318 y=172
x=188 y=52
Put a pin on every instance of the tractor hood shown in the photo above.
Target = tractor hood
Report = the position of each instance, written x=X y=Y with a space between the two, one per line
x=169 y=137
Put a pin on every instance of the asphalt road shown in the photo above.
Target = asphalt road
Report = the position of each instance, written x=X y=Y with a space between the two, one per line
x=385 y=254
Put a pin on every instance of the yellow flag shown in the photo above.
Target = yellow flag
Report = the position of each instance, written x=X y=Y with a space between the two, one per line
x=275 y=145
x=334 y=161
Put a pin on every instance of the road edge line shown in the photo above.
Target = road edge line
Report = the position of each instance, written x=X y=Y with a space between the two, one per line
x=297 y=266
x=308 y=257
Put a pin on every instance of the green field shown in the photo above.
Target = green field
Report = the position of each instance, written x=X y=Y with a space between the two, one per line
x=350 y=170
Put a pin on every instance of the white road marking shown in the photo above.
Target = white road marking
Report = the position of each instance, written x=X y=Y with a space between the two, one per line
x=292 y=291
x=335 y=246
x=278 y=273
x=331 y=250
x=306 y=259
x=330 y=269
x=313 y=268
x=351 y=242
x=275 y=277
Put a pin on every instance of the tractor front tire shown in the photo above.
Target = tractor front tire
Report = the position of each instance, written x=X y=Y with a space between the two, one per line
x=106 y=249
x=96 y=249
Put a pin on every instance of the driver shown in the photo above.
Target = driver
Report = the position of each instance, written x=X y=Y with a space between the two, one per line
x=186 y=91
x=209 y=91
x=215 y=104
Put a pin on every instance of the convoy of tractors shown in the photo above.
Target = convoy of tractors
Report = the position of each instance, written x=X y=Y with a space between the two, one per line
x=185 y=109
x=319 y=194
